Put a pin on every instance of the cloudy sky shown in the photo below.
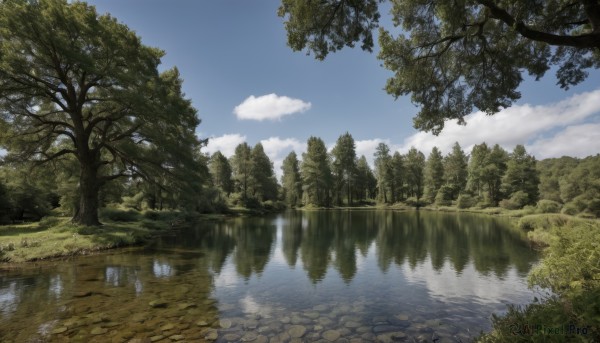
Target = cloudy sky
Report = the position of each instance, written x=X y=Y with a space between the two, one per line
x=249 y=86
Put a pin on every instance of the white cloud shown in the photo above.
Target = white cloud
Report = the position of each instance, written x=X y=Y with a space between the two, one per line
x=277 y=149
x=577 y=141
x=515 y=125
x=270 y=106
x=225 y=143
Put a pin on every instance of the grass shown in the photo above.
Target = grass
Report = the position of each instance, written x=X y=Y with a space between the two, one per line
x=40 y=241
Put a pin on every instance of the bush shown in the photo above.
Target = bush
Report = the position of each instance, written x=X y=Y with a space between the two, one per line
x=412 y=201
x=444 y=196
x=516 y=201
x=594 y=207
x=570 y=209
x=117 y=215
x=465 y=201
x=153 y=225
x=48 y=222
x=160 y=215
x=548 y=206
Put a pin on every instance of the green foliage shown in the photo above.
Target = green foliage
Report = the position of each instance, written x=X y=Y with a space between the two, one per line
x=221 y=172
x=571 y=262
x=518 y=200
x=384 y=173
x=455 y=170
x=118 y=215
x=77 y=100
x=454 y=56
x=521 y=177
x=292 y=183
x=444 y=196
x=415 y=169
x=548 y=206
x=263 y=185
x=316 y=174
x=434 y=174
x=570 y=209
x=366 y=183
x=242 y=165
x=465 y=201
x=571 y=271
x=344 y=168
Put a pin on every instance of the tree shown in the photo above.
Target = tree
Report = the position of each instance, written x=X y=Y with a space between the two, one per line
x=522 y=175
x=221 y=172
x=316 y=173
x=292 y=183
x=494 y=172
x=241 y=161
x=344 y=164
x=73 y=82
x=455 y=170
x=366 y=183
x=434 y=173
x=415 y=166
x=383 y=172
x=453 y=56
x=264 y=184
x=398 y=176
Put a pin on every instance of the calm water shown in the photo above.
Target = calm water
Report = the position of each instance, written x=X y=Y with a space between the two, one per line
x=299 y=276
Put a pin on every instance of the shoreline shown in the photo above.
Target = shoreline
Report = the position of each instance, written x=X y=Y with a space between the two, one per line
x=56 y=239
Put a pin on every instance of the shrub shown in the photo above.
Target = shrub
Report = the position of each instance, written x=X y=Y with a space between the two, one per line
x=48 y=222
x=465 y=201
x=444 y=196
x=548 y=206
x=153 y=225
x=594 y=207
x=119 y=215
x=570 y=209
x=517 y=200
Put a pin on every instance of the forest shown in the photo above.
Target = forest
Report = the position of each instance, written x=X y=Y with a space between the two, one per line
x=488 y=176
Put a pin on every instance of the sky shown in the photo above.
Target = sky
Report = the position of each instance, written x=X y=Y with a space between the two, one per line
x=248 y=85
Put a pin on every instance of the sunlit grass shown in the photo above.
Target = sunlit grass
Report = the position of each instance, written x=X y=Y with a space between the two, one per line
x=35 y=241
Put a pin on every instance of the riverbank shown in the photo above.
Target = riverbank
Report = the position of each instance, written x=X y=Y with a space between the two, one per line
x=57 y=237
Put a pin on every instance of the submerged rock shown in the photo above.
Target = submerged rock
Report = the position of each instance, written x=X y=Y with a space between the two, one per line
x=225 y=323
x=158 y=304
x=98 y=331
x=331 y=335
x=296 y=331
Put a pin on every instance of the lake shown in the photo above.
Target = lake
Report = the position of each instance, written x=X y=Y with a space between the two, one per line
x=299 y=276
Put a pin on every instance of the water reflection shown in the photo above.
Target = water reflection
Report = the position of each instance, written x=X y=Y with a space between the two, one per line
x=355 y=272
x=336 y=239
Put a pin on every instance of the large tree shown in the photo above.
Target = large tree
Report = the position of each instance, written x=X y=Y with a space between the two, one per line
x=455 y=170
x=344 y=166
x=76 y=83
x=316 y=173
x=241 y=161
x=221 y=172
x=522 y=175
x=383 y=172
x=434 y=173
x=264 y=183
x=452 y=56
x=415 y=172
x=291 y=181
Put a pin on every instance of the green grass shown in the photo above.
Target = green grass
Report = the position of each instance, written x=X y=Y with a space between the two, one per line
x=39 y=241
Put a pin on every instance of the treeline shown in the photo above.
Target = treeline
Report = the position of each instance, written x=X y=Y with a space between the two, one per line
x=488 y=177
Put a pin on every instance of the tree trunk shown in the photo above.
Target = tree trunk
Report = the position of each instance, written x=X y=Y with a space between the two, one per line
x=89 y=187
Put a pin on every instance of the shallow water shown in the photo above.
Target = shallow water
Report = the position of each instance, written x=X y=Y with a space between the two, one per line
x=298 y=276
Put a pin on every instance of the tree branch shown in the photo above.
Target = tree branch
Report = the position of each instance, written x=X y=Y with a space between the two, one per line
x=590 y=40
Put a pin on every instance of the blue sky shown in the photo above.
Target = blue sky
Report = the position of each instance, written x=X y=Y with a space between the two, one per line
x=230 y=50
